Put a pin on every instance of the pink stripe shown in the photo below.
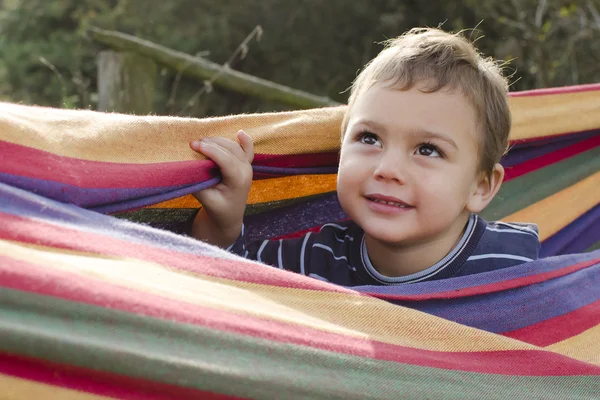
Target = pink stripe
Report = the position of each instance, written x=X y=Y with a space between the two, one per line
x=559 y=328
x=33 y=163
x=97 y=382
x=22 y=229
x=557 y=90
x=23 y=276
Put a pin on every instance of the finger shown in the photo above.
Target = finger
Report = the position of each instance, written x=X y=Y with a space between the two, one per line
x=247 y=145
x=220 y=155
x=229 y=164
x=231 y=146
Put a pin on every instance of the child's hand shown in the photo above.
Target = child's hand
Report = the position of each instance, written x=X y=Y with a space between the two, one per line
x=220 y=220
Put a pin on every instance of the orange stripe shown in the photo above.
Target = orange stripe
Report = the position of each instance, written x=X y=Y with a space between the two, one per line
x=557 y=211
x=274 y=189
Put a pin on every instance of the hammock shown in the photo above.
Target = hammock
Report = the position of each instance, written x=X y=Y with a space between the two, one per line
x=96 y=302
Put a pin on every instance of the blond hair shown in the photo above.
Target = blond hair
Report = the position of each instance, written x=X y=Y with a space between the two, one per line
x=444 y=60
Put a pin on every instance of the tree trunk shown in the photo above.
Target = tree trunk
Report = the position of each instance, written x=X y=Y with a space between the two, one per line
x=126 y=82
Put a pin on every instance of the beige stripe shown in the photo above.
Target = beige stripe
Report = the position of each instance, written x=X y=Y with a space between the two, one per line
x=549 y=115
x=121 y=138
x=557 y=211
x=583 y=347
x=12 y=388
x=355 y=316
x=151 y=139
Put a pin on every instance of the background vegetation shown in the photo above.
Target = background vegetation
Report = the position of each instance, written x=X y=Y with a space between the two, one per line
x=313 y=45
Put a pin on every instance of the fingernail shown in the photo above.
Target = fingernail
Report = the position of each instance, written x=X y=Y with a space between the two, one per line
x=196 y=143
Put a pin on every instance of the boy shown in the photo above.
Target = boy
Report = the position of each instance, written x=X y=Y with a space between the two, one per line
x=427 y=123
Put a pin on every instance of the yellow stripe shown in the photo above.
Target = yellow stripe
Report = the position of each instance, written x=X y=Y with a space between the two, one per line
x=151 y=139
x=274 y=189
x=346 y=314
x=584 y=347
x=133 y=139
x=557 y=211
x=12 y=388
x=555 y=114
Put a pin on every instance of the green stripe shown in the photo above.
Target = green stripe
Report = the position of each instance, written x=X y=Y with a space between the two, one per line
x=192 y=356
x=595 y=246
x=159 y=215
x=530 y=188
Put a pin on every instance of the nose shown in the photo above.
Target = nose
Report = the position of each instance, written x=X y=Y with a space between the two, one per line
x=391 y=167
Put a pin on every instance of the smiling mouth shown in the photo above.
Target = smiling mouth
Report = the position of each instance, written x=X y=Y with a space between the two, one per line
x=390 y=203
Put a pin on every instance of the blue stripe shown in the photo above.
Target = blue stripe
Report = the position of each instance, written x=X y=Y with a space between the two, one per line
x=18 y=202
x=576 y=237
x=89 y=197
x=484 y=278
x=515 y=309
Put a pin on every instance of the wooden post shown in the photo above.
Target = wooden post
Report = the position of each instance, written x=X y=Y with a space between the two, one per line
x=126 y=82
x=199 y=68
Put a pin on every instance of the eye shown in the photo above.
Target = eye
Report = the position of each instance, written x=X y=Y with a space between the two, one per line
x=370 y=139
x=429 y=150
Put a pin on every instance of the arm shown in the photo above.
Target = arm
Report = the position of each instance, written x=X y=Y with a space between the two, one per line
x=219 y=221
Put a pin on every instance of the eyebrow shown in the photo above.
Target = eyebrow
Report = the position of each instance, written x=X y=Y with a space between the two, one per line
x=427 y=134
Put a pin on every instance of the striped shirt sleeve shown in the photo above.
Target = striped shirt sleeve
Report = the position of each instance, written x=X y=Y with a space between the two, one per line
x=289 y=254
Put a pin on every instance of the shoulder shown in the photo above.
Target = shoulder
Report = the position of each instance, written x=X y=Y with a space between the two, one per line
x=503 y=245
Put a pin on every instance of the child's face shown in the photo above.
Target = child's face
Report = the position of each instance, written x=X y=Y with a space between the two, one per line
x=417 y=150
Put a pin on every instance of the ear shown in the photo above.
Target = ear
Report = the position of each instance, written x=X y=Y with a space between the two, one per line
x=485 y=189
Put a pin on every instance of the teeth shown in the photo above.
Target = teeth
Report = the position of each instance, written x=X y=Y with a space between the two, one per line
x=391 y=203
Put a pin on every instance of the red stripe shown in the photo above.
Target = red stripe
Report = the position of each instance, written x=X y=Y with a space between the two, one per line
x=491 y=287
x=33 y=163
x=297 y=160
x=97 y=382
x=23 y=276
x=550 y=158
x=38 y=164
x=22 y=229
x=557 y=90
x=559 y=328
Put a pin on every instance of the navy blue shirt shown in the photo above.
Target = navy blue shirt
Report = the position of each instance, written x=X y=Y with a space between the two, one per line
x=337 y=253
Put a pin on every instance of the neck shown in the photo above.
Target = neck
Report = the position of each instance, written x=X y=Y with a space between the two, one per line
x=393 y=260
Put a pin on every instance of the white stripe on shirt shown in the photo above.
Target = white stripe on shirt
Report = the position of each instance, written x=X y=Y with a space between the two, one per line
x=510 y=230
x=343 y=228
x=303 y=253
x=495 y=255
x=319 y=277
x=329 y=249
x=279 y=255
x=518 y=227
x=262 y=246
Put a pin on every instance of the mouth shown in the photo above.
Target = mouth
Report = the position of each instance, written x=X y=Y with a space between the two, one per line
x=388 y=200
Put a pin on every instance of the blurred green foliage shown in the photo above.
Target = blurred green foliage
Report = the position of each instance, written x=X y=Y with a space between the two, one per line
x=313 y=45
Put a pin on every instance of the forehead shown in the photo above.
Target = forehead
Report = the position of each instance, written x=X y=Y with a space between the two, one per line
x=444 y=111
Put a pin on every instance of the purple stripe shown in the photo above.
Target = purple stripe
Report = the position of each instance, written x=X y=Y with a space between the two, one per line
x=484 y=278
x=278 y=171
x=531 y=150
x=518 y=308
x=83 y=197
x=25 y=204
x=297 y=217
x=150 y=200
x=553 y=139
x=576 y=237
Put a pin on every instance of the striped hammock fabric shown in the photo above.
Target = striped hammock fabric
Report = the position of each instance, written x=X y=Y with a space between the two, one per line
x=102 y=296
